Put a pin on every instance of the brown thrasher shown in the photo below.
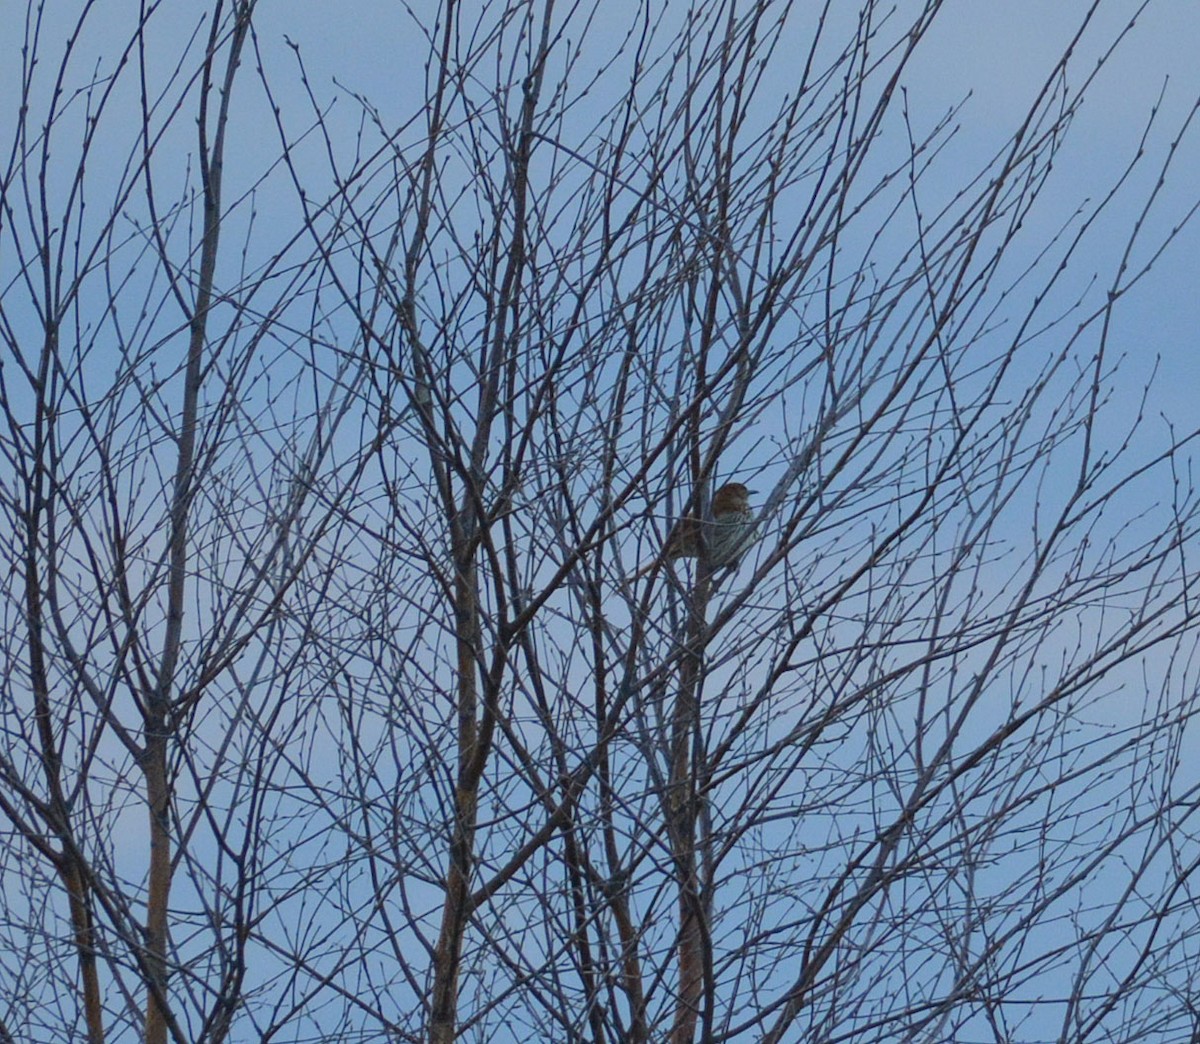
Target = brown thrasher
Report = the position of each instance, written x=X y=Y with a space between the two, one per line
x=727 y=533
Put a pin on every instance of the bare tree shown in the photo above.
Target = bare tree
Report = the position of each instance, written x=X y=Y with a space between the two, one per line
x=348 y=690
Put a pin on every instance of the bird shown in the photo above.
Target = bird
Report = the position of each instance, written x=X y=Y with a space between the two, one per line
x=727 y=532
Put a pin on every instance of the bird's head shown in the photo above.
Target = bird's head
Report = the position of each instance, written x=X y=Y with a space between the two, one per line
x=732 y=496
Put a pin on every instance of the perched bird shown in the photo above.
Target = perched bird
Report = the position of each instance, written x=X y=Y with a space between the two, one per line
x=727 y=532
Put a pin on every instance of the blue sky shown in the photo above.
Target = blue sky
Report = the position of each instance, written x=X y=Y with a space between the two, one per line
x=997 y=53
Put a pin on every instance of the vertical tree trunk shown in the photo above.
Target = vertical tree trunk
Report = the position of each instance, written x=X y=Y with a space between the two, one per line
x=158 y=895
x=159 y=715
x=457 y=907
x=66 y=860
x=85 y=945
x=682 y=808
